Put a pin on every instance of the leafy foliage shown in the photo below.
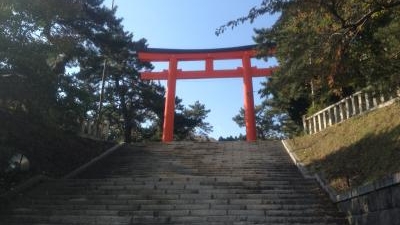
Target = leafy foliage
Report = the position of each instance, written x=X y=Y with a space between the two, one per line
x=58 y=58
x=241 y=137
x=267 y=124
x=39 y=40
x=326 y=50
x=66 y=62
x=189 y=122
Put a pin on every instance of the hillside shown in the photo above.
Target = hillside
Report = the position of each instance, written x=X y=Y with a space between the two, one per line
x=355 y=152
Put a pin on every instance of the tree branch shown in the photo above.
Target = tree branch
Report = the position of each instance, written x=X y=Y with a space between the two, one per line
x=332 y=9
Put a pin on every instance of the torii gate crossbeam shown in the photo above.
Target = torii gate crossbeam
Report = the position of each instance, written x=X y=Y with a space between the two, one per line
x=173 y=56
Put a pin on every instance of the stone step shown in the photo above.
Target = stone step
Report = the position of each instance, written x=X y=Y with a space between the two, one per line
x=170 y=212
x=161 y=201
x=163 y=196
x=167 y=181
x=208 y=172
x=180 y=183
x=229 y=186
x=178 y=205
x=184 y=178
x=155 y=218
x=66 y=219
x=110 y=190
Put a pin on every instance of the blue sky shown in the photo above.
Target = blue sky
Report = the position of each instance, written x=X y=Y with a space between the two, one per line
x=191 y=24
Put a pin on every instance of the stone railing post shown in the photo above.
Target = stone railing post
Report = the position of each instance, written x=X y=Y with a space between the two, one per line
x=309 y=126
x=89 y=128
x=304 y=124
x=347 y=108
x=335 y=114
x=319 y=122
x=83 y=127
x=315 y=124
x=360 y=104
x=341 y=112
x=367 y=106
x=374 y=100
x=353 y=105
x=107 y=129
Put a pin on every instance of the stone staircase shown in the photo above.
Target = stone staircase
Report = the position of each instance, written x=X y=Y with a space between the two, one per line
x=180 y=183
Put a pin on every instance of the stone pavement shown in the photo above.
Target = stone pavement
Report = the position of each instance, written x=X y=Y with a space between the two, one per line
x=181 y=183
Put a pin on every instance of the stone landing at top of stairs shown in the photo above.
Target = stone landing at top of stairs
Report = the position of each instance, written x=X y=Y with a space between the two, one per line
x=180 y=183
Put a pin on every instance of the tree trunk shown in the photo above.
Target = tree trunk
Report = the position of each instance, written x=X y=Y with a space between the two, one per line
x=127 y=131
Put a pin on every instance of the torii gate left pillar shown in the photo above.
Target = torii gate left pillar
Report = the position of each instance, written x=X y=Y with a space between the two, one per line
x=169 y=111
x=173 y=56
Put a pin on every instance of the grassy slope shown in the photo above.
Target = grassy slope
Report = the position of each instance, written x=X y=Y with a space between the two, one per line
x=50 y=151
x=355 y=152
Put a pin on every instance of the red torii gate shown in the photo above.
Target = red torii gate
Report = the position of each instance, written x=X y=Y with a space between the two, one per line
x=173 y=56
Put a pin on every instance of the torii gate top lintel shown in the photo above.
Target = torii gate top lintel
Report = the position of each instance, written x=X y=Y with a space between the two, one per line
x=201 y=50
x=173 y=56
x=164 y=54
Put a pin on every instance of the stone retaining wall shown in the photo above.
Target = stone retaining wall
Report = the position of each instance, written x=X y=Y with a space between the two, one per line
x=377 y=203
x=373 y=204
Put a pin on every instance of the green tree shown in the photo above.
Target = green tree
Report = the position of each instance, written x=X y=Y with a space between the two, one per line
x=190 y=122
x=39 y=41
x=327 y=50
x=267 y=124
x=117 y=60
x=53 y=55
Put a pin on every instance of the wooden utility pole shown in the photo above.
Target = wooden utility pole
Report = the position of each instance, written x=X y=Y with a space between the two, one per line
x=103 y=81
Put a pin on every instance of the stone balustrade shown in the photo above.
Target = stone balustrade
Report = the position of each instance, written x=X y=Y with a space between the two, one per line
x=356 y=104
x=91 y=129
